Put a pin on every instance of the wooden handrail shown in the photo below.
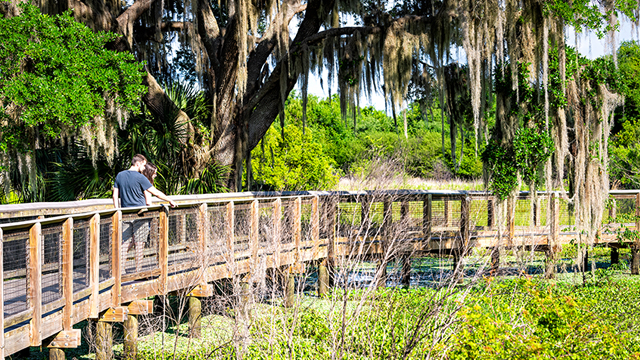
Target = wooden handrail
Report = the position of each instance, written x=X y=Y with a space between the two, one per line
x=461 y=229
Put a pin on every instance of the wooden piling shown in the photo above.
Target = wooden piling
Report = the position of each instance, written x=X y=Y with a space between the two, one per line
x=195 y=316
x=56 y=354
x=554 y=235
x=323 y=278
x=635 y=247
x=495 y=260
x=130 y=346
x=104 y=340
x=406 y=271
x=615 y=256
x=289 y=289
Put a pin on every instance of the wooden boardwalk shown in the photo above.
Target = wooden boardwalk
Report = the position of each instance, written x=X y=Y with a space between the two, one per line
x=68 y=262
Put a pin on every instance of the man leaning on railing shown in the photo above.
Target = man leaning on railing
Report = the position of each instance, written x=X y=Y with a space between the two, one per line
x=129 y=188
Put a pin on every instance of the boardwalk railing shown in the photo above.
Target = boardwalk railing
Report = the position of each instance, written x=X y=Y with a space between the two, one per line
x=63 y=263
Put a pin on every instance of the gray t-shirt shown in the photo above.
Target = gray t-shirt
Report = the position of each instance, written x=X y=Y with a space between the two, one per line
x=132 y=185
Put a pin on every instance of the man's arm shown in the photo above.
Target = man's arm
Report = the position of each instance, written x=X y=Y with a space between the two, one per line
x=160 y=195
x=147 y=198
x=116 y=195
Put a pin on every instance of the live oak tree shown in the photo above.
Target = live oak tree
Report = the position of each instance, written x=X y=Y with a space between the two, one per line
x=58 y=83
x=249 y=54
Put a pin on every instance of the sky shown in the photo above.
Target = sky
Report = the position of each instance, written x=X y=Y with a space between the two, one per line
x=588 y=45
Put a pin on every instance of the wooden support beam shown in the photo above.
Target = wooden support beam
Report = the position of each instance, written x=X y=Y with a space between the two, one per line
x=613 y=209
x=116 y=238
x=163 y=250
x=94 y=266
x=202 y=290
x=67 y=274
x=66 y=339
x=34 y=289
x=365 y=209
x=140 y=307
x=117 y=314
x=332 y=214
x=277 y=231
x=427 y=217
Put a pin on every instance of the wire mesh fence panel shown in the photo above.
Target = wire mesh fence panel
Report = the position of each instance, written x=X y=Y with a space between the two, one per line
x=478 y=213
x=286 y=222
x=242 y=228
x=183 y=236
x=523 y=212
x=140 y=242
x=51 y=280
x=625 y=210
x=415 y=215
x=81 y=232
x=543 y=202
x=217 y=240
x=349 y=218
x=106 y=244
x=265 y=226
x=15 y=245
x=327 y=216
x=306 y=220
x=567 y=215
x=17 y=219
x=445 y=213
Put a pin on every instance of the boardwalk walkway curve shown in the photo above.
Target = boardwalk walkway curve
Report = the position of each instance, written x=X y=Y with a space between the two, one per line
x=63 y=263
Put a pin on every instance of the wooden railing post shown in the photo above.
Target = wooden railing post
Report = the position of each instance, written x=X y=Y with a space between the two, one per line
x=1 y=294
x=554 y=234
x=253 y=235
x=404 y=212
x=613 y=210
x=427 y=217
x=277 y=227
x=230 y=236
x=465 y=208
x=447 y=213
x=315 y=225
x=94 y=265
x=536 y=211
x=511 y=222
x=491 y=211
x=116 y=236
x=203 y=235
x=635 y=247
x=35 y=283
x=67 y=274
x=163 y=250
x=297 y=230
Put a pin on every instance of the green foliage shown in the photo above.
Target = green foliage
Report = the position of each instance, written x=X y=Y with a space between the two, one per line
x=585 y=14
x=296 y=162
x=56 y=76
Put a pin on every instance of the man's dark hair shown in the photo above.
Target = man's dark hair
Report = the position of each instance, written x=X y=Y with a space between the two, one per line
x=137 y=158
